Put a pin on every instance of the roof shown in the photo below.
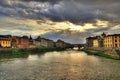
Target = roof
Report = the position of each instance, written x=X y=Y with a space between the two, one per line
x=114 y=35
x=25 y=37
x=5 y=36
x=59 y=40
x=95 y=37
x=92 y=37
x=5 y=39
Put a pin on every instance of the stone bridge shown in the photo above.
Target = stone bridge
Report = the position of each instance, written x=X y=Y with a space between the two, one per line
x=79 y=46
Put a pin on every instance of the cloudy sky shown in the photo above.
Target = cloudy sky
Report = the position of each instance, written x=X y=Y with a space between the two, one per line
x=70 y=20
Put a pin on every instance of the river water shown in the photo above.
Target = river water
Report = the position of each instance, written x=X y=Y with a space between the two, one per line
x=64 y=65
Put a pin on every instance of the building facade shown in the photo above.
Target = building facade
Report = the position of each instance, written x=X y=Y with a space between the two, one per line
x=43 y=42
x=20 y=42
x=116 y=40
x=5 y=41
x=60 y=43
x=90 y=41
x=8 y=41
x=50 y=43
x=106 y=41
x=95 y=43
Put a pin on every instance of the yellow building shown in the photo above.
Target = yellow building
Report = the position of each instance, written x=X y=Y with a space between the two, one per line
x=112 y=41
x=95 y=43
x=5 y=41
x=108 y=41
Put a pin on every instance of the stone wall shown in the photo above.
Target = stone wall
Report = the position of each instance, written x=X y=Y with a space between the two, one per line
x=115 y=52
x=112 y=52
x=5 y=50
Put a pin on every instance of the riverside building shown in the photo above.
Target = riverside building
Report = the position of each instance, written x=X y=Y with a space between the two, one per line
x=105 y=41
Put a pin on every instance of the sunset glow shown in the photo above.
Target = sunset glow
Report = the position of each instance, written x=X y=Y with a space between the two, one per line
x=58 y=18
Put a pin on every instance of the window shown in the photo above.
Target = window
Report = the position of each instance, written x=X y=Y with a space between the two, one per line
x=116 y=45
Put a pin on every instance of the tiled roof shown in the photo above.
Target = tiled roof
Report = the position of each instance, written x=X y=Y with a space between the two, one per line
x=92 y=37
x=5 y=36
x=114 y=35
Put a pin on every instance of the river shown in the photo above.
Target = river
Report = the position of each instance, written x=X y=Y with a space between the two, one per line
x=64 y=65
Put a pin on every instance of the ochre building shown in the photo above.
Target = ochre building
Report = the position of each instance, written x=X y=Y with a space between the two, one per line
x=5 y=41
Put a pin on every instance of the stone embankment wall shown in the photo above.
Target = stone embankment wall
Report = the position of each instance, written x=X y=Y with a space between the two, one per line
x=5 y=50
x=115 y=52
x=112 y=52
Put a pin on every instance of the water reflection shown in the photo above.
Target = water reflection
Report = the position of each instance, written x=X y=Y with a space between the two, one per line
x=65 y=65
x=33 y=57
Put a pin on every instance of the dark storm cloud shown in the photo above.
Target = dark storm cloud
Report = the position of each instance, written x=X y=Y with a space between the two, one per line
x=51 y=1
x=98 y=31
x=83 y=10
x=70 y=12
x=75 y=11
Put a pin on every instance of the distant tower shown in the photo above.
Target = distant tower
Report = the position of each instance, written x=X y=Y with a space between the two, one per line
x=30 y=37
x=103 y=34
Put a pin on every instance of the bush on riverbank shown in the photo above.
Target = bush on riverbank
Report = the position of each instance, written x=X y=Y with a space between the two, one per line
x=99 y=53
x=16 y=52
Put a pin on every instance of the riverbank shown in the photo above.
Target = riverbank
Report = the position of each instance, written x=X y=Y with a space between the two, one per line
x=100 y=53
x=17 y=53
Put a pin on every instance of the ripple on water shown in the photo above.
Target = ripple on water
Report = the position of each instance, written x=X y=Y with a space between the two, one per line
x=65 y=65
